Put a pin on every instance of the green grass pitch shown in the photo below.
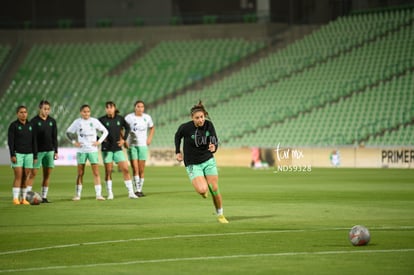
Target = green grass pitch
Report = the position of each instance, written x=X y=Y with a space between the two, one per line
x=280 y=223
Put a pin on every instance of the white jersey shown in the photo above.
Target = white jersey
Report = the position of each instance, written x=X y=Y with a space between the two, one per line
x=85 y=129
x=139 y=128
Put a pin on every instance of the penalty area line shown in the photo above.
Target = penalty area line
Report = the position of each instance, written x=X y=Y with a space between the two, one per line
x=207 y=258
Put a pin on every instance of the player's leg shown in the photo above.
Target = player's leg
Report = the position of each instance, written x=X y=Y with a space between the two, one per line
x=17 y=182
x=35 y=169
x=141 y=173
x=123 y=167
x=26 y=184
x=108 y=158
x=93 y=159
x=45 y=183
x=210 y=170
x=213 y=187
x=79 y=181
x=33 y=175
x=48 y=163
x=142 y=157
x=108 y=180
x=97 y=181
x=212 y=183
x=200 y=185
x=133 y=158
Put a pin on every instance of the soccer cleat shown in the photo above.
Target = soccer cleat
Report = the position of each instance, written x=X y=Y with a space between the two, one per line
x=16 y=201
x=139 y=194
x=205 y=195
x=133 y=196
x=100 y=198
x=222 y=219
x=44 y=200
x=110 y=196
x=25 y=202
x=76 y=198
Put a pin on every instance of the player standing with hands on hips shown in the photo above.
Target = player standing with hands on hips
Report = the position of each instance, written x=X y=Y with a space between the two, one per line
x=46 y=135
x=118 y=130
x=138 y=141
x=200 y=142
x=23 y=153
x=83 y=134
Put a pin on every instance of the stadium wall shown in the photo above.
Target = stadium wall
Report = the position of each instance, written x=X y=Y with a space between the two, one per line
x=283 y=159
x=303 y=158
x=146 y=34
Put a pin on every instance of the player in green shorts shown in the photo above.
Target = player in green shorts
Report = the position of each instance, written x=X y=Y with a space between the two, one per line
x=83 y=133
x=200 y=142
x=140 y=137
x=46 y=135
x=23 y=153
x=111 y=148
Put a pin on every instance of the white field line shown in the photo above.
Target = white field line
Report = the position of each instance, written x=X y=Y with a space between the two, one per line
x=207 y=258
x=191 y=236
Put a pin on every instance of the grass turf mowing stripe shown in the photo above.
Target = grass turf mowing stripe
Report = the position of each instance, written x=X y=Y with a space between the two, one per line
x=193 y=236
x=299 y=253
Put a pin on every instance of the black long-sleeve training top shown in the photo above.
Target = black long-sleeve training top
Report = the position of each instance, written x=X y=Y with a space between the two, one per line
x=21 y=139
x=115 y=126
x=46 y=133
x=196 y=142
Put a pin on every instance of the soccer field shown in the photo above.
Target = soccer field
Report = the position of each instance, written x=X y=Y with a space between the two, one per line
x=280 y=223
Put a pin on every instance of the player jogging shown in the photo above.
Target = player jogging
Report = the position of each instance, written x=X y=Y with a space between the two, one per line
x=112 y=148
x=83 y=134
x=138 y=141
x=46 y=135
x=23 y=153
x=200 y=142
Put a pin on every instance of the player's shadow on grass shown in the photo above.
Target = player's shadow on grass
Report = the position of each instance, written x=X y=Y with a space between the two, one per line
x=241 y=218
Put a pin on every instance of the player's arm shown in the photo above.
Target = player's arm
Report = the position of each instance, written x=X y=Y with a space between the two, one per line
x=10 y=141
x=71 y=134
x=213 y=145
x=100 y=127
x=177 y=141
x=124 y=133
x=54 y=139
x=34 y=145
x=150 y=135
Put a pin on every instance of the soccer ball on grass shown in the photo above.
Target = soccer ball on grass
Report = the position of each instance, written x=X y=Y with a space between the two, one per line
x=359 y=235
x=33 y=198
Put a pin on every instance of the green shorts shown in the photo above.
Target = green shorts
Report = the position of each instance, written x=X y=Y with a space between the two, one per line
x=23 y=160
x=83 y=157
x=207 y=168
x=45 y=159
x=109 y=156
x=138 y=152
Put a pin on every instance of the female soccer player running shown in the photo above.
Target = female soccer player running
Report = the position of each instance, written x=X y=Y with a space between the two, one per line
x=23 y=153
x=46 y=135
x=112 y=148
x=200 y=142
x=138 y=141
x=85 y=131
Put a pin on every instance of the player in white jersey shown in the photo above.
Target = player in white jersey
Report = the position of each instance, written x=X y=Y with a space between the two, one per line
x=83 y=134
x=138 y=141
